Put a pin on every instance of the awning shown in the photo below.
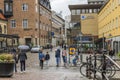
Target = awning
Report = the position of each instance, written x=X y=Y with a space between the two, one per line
x=9 y=36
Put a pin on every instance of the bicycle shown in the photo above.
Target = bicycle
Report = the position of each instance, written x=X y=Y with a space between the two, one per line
x=110 y=69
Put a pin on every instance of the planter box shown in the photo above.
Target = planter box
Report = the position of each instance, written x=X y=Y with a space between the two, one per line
x=6 y=69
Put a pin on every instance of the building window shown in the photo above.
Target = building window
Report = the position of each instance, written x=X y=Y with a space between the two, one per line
x=13 y=23
x=36 y=8
x=5 y=28
x=78 y=12
x=73 y=12
x=25 y=23
x=6 y=7
x=24 y=7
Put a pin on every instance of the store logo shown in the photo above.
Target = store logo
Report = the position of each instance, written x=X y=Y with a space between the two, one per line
x=83 y=17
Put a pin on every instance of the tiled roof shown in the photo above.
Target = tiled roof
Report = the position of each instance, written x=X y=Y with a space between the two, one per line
x=2 y=16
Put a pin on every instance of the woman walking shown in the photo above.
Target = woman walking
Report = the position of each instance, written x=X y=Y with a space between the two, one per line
x=22 y=57
x=41 y=58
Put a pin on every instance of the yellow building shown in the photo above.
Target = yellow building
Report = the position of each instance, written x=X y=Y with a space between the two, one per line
x=109 y=24
x=89 y=24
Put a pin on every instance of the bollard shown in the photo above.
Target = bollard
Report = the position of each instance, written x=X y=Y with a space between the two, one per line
x=90 y=67
x=87 y=67
x=95 y=63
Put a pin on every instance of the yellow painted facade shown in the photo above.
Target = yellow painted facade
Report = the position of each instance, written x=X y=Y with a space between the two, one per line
x=89 y=24
x=109 y=20
x=3 y=25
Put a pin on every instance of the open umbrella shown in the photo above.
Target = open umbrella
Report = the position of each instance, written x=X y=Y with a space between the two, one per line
x=23 y=47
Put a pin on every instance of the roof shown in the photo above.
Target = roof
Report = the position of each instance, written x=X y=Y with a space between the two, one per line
x=85 y=6
x=2 y=16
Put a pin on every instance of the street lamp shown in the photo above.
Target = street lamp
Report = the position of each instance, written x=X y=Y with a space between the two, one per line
x=81 y=57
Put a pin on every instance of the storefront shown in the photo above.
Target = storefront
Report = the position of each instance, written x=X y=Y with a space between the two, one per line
x=8 y=41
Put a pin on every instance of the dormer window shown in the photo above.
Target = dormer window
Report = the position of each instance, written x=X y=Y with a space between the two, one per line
x=8 y=7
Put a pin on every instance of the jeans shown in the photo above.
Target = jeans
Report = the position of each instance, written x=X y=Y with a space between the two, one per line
x=22 y=65
x=64 y=59
x=41 y=64
x=58 y=61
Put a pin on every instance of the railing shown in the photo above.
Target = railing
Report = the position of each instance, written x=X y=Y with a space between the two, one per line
x=92 y=68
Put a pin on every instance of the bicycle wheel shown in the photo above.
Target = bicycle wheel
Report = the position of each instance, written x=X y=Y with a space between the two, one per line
x=113 y=71
x=108 y=70
x=83 y=69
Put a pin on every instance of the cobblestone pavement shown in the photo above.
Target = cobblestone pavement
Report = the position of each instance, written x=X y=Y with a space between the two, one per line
x=33 y=71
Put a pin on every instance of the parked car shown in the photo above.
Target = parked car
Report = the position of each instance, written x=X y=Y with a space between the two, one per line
x=36 y=49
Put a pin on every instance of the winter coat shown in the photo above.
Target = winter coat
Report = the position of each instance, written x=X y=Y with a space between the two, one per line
x=22 y=56
x=57 y=53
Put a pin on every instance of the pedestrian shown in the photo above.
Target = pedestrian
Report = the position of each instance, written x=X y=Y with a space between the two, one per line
x=14 y=53
x=111 y=53
x=47 y=58
x=64 y=56
x=22 y=57
x=57 y=56
x=41 y=58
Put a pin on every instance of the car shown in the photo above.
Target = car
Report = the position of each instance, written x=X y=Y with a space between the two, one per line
x=35 y=49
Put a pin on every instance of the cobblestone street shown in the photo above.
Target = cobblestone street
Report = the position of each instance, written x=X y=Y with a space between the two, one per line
x=33 y=71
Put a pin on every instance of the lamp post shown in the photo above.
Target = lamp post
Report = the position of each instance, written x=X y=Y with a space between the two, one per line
x=81 y=57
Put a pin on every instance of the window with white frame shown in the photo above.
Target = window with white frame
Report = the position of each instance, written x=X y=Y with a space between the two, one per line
x=6 y=7
x=36 y=8
x=25 y=23
x=37 y=24
x=13 y=23
x=5 y=28
x=24 y=7
x=73 y=12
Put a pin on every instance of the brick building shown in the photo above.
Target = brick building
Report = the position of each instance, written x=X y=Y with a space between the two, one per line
x=30 y=19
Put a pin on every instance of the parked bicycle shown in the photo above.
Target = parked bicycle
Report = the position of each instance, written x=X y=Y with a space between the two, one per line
x=95 y=64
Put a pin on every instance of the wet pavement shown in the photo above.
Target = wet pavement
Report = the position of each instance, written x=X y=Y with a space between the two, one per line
x=34 y=72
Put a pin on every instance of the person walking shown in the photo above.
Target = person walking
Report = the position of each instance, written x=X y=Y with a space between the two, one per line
x=14 y=53
x=111 y=53
x=22 y=57
x=57 y=56
x=64 y=56
x=47 y=58
x=41 y=58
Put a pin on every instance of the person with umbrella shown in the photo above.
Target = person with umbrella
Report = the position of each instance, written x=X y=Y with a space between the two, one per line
x=22 y=57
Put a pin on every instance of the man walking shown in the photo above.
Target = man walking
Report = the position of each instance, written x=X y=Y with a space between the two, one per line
x=57 y=56
x=41 y=58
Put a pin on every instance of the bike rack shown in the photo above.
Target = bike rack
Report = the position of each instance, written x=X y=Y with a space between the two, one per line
x=118 y=66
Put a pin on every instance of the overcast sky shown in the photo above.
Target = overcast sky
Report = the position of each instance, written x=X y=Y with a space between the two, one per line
x=62 y=5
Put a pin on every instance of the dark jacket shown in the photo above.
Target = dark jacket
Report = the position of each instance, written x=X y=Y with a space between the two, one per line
x=57 y=53
x=22 y=56
x=47 y=57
